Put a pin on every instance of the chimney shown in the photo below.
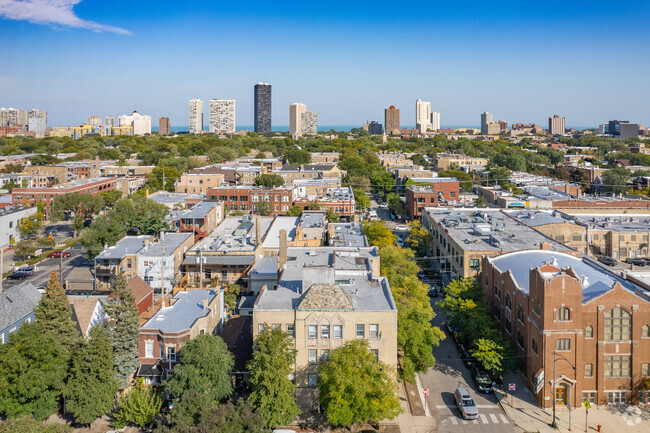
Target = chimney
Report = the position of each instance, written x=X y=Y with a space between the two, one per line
x=282 y=254
x=544 y=246
x=205 y=302
x=258 y=230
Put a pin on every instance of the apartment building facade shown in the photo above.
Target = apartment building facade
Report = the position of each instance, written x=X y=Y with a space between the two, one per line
x=418 y=197
x=31 y=196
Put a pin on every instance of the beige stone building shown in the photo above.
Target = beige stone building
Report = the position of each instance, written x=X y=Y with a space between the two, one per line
x=443 y=160
x=48 y=174
x=324 y=297
x=198 y=183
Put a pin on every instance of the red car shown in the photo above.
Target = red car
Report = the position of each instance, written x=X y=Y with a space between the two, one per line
x=58 y=254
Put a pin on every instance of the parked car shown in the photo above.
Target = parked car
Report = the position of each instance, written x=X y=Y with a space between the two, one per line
x=18 y=275
x=481 y=379
x=28 y=269
x=637 y=261
x=433 y=292
x=450 y=327
x=58 y=254
x=607 y=260
x=465 y=404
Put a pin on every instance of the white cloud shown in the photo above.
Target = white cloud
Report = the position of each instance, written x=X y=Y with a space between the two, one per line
x=55 y=12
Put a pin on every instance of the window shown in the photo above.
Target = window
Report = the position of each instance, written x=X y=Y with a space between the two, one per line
x=338 y=331
x=617 y=366
x=576 y=238
x=497 y=291
x=520 y=339
x=645 y=331
x=202 y=331
x=373 y=330
x=563 y=344
x=291 y=330
x=644 y=396
x=508 y=326
x=595 y=237
x=376 y=353
x=324 y=331
x=474 y=264
x=260 y=327
x=312 y=379
x=171 y=353
x=361 y=331
x=633 y=238
x=313 y=356
x=589 y=331
x=589 y=396
x=589 y=370
x=312 y=331
x=559 y=238
x=617 y=325
x=276 y=326
x=324 y=355
x=617 y=397
x=520 y=314
x=148 y=349
x=537 y=307
x=497 y=312
x=535 y=348
x=645 y=369
x=508 y=301
x=563 y=314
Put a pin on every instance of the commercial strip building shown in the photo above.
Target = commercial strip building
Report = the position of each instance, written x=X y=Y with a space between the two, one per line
x=31 y=196
x=583 y=332
x=324 y=297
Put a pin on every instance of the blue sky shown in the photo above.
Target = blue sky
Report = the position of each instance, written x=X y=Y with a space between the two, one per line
x=521 y=60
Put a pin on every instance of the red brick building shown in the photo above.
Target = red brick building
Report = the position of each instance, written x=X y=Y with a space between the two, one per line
x=339 y=200
x=31 y=196
x=595 y=324
x=419 y=197
x=245 y=198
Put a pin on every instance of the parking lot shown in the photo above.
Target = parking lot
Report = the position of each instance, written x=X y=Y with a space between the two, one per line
x=44 y=268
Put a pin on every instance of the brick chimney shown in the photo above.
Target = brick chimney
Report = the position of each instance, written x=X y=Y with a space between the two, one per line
x=544 y=246
x=258 y=230
x=205 y=302
x=282 y=253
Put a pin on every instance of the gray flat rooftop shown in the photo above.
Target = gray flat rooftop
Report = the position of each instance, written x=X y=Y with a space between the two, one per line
x=614 y=222
x=347 y=235
x=289 y=224
x=234 y=234
x=174 y=197
x=544 y=193
x=126 y=246
x=489 y=230
x=265 y=265
x=182 y=314
x=595 y=280
x=199 y=210
x=169 y=243
x=312 y=219
x=9 y=210
x=534 y=218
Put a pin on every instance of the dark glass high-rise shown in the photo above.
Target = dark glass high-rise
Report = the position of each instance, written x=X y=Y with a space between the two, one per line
x=262 y=107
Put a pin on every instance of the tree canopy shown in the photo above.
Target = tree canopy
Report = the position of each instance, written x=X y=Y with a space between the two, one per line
x=269 y=180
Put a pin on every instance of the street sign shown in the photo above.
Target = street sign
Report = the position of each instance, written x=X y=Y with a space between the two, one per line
x=586 y=405
x=512 y=386
x=425 y=391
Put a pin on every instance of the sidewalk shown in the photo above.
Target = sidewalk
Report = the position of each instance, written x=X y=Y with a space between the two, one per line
x=409 y=423
x=526 y=415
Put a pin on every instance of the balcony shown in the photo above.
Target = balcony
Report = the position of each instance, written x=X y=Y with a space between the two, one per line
x=199 y=231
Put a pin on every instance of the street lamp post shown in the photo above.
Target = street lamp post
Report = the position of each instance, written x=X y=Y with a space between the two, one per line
x=555 y=355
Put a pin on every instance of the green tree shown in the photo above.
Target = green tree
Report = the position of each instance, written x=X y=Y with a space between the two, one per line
x=361 y=198
x=616 y=179
x=355 y=388
x=83 y=205
x=31 y=425
x=123 y=326
x=32 y=370
x=332 y=216
x=295 y=211
x=480 y=201
x=378 y=233
x=230 y=296
x=395 y=204
x=269 y=180
x=54 y=316
x=264 y=208
x=25 y=248
x=29 y=227
x=205 y=366
x=138 y=407
x=499 y=176
x=91 y=387
x=273 y=392
x=419 y=239
x=110 y=197
x=169 y=174
x=297 y=157
x=488 y=353
x=466 y=180
x=420 y=160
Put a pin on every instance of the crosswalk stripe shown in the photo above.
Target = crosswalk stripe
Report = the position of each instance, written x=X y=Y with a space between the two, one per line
x=475 y=421
x=494 y=419
x=454 y=421
x=483 y=418
x=503 y=418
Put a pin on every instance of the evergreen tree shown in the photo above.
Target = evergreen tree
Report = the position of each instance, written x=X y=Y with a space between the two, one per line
x=31 y=425
x=32 y=370
x=355 y=388
x=54 y=316
x=273 y=392
x=123 y=327
x=205 y=366
x=91 y=386
x=138 y=407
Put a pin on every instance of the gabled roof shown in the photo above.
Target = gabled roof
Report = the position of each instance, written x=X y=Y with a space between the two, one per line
x=326 y=297
x=139 y=288
x=83 y=309
x=17 y=302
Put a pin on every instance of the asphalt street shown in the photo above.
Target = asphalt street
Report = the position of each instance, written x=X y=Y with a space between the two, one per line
x=42 y=272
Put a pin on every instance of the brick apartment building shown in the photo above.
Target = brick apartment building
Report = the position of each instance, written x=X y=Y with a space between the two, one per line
x=597 y=324
x=418 y=197
x=339 y=200
x=31 y=196
x=245 y=198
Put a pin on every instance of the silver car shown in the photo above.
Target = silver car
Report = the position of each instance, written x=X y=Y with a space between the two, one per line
x=465 y=404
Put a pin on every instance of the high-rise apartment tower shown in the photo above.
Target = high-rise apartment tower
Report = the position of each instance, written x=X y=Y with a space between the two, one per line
x=222 y=116
x=391 y=120
x=486 y=119
x=262 y=107
x=163 y=126
x=196 y=116
x=556 y=125
x=422 y=115
x=296 y=110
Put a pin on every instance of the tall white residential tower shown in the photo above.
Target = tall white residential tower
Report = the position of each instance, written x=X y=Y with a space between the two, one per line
x=296 y=110
x=222 y=116
x=422 y=115
x=196 y=116
x=435 y=121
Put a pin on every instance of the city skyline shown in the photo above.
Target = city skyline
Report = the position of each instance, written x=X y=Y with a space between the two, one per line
x=460 y=80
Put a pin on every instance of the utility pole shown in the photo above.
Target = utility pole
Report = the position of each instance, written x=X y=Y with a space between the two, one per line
x=162 y=273
x=200 y=268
